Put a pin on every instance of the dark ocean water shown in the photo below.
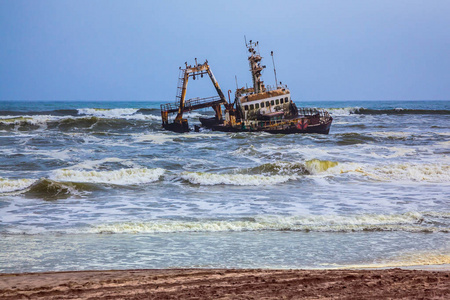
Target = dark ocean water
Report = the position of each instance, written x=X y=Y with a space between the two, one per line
x=99 y=185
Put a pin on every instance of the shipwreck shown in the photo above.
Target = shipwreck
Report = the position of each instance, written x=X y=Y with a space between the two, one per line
x=258 y=108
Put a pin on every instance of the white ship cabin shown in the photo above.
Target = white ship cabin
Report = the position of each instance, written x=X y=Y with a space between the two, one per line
x=271 y=105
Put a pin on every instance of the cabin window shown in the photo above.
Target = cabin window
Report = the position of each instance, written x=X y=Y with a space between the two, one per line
x=272 y=102
x=246 y=107
x=262 y=104
x=286 y=100
x=252 y=107
x=277 y=101
x=267 y=103
x=257 y=105
x=281 y=100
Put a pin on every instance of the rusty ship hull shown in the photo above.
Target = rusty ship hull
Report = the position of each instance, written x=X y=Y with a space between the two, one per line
x=287 y=128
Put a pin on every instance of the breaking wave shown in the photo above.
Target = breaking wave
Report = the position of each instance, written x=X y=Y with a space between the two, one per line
x=107 y=113
x=309 y=167
x=410 y=222
x=146 y=111
x=408 y=172
x=14 y=185
x=63 y=183
x=48 y=189
x=204 y=178
x=315 y=166
x=346 y=111
x=413 y=172
x=266 y=174
x=118 y=177
x=402 y=111
x=279 y=168
x=75 y=123
x=57 y=112
x=44 y=188
x=25 y=122
x=397 y=172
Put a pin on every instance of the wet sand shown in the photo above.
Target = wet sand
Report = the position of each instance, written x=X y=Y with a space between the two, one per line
x=228 y=284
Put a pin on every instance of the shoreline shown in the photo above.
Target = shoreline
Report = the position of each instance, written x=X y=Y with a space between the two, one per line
x=229 y=284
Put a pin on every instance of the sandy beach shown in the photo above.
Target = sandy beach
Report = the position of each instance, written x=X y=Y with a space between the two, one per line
x=228 y=284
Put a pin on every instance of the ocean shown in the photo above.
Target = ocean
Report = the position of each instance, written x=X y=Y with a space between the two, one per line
x=100 y=185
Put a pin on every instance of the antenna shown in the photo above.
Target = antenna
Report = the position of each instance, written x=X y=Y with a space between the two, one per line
x=274 y=70
x=245 y=38
x=235 y=77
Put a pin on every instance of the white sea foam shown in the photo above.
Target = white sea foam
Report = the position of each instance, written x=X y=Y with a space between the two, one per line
x=49 y=154
x=413 y=172
x=345 y=111
x=117 y=113
x=442 y=133
x=435 y=214
x=204 y=178
x=395 y=152
x=15 y=120
x=155 y=138
x=309 y=152
x=285 y=171
x=13 y=185
x=146 y=117
x=108 y=113
x=119 y=177
x=392 y=134
x=407 y=172
x=38 y=120
x=410 y=222
x=164 y=137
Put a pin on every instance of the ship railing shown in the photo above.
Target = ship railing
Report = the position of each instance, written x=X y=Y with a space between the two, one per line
x=191 y=104
x=275 y=87
x=170 y=106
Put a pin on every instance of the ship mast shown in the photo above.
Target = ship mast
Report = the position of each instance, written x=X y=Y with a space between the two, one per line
x=255 y=67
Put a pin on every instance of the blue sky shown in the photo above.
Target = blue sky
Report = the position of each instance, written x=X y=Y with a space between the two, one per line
x=131 y=50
